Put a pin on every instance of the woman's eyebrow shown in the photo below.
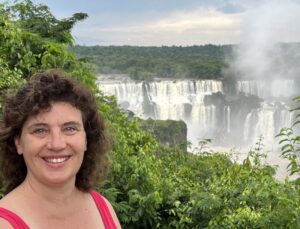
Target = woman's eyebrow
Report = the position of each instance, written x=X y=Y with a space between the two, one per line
x=42 y=124
x=37 y=124
x=76 y=123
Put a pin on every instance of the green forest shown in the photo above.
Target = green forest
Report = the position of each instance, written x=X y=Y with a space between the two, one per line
x=146 y=63
x=151 y=185
x=177 y=62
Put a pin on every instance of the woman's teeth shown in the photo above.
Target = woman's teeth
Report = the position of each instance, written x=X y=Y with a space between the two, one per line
x=56 y=160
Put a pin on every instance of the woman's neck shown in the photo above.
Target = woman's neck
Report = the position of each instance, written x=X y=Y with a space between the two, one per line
x=46 y=194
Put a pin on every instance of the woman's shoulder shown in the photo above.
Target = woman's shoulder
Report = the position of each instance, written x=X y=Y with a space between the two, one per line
x=102 y=202
x=5 y=201
x=4 y=224
x=10 y=220
x=9 y=206
x=10 y=200
x=7 y=217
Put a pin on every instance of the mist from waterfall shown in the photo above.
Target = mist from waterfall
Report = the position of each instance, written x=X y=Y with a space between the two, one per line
x=265 y=29
x=264 y=59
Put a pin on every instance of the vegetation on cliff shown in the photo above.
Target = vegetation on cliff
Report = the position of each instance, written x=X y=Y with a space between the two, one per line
x=167 y=132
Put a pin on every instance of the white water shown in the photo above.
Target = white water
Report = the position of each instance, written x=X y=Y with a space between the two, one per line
x=169 y=99
x=184 y=100
x=267 y=88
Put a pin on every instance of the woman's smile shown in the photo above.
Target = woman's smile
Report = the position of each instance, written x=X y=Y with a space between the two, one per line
x=56 y=161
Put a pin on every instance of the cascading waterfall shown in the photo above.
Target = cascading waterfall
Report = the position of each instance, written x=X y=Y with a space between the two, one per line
x=227 y=115
x=247 y=126
x=267 y=88
x=266 y=124
x=184 y=100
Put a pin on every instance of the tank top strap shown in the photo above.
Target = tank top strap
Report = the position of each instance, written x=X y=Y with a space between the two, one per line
x=106 y=216
x=13 y=219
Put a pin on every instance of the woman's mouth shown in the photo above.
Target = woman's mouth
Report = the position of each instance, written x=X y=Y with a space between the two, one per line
x=56 y=160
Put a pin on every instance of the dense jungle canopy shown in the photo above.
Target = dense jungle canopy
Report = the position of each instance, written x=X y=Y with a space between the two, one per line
x=140 y=63
x=189 y=62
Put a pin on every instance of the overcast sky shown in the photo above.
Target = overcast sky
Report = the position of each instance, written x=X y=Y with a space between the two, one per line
x=173 y=22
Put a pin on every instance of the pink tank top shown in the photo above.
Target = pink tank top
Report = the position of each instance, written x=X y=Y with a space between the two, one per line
x=107 y=219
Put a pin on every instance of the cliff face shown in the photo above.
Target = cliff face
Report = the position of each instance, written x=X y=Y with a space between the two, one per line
x=167 y=132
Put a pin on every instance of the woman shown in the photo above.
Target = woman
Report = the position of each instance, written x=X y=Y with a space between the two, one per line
x=52 y=150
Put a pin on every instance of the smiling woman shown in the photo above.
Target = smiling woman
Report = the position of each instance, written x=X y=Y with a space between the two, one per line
x=52 y=151
x=57 y=145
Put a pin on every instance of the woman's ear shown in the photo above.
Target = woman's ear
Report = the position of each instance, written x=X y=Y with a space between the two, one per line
x=18 y=145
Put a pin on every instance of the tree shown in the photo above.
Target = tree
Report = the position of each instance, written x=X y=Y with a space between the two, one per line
x=39 y=20
x=25 y=49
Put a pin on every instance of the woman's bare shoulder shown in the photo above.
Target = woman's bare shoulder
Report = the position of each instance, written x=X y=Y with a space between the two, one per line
x=4 y=224
x=113 y=213
x=11 y=201
x=7 y=200
x=4 y=203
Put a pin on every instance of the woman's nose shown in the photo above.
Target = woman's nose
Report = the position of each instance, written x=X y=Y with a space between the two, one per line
x=56 y=141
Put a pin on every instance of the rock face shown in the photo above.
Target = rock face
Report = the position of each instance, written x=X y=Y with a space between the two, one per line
x=168 y=132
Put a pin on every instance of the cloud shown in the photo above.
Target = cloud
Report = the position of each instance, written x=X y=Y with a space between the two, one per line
x=232 y=21
x=262 y=30
x=204 y=19
x=201 y=26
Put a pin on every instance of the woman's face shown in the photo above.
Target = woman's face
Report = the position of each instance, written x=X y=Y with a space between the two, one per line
x=53 y=144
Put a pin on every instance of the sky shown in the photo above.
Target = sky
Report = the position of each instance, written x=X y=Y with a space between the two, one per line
x=178 y=22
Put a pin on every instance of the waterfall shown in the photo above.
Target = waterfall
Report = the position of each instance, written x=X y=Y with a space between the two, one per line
x=184 y=100
x=247 y=126
x=266 y=88
x=227 y=110
x=266 y=124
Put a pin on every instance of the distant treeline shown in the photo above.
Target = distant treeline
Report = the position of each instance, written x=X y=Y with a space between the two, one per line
x=145 y=63
x=193 y=62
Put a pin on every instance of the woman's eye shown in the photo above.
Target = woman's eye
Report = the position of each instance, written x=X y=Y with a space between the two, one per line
x=70 y=129
x=40 y=131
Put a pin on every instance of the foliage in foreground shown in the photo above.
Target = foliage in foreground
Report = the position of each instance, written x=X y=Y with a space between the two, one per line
x=290 y=142
x=156 y=187
x=149 y=185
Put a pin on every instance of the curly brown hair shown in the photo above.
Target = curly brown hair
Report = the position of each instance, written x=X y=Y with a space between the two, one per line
x=37 y=94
